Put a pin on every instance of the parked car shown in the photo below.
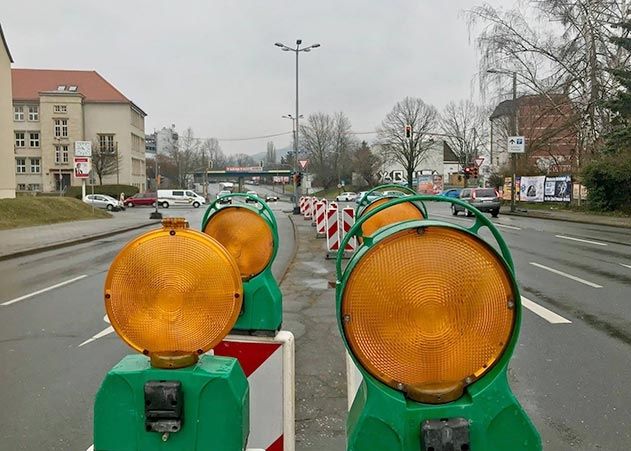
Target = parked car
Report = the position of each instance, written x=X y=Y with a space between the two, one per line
x=374 y=195
x=348 y=196
x=271 y=198
x=453 y=192
x=141 y=199
x=103 y=201
x=484 y=199
x=227 y=200
x=179 y=197
x=394 y=194
x=251 y=193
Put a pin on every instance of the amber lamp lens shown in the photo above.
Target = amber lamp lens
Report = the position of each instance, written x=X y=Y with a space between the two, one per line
x=246 y=236
x=173 y=291
x=400 y=212
x=428 y=311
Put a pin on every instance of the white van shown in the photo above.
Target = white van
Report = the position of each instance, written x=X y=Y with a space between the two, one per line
x=179 y=197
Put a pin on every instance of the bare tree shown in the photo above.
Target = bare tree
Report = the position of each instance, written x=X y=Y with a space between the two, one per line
x=408 y=152
x=366 y=163
x=465 y=126
x=241 y=160
x=185 y=156
x=105 y=161
x=270 y=155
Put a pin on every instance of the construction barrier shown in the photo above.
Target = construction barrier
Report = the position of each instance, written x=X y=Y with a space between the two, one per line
x=320 y=218
x=302 y=204
x=314 y=201
x=348 y=219
x=308 y=213
x=332 y=231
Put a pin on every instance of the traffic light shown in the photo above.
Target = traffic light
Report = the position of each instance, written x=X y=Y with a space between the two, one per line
x=299 y=179
x=408 y=131
x=430 y=314
x=467 y=172
x=248 y=230
x=172 y=294
x=474 y=171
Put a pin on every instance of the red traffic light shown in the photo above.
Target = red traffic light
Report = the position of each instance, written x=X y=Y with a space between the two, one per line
x=408 y=131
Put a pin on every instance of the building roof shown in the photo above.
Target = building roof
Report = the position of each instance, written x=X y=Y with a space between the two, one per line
x=505 y=108
x=449 y=156
x=6 y=47
x=28 y=83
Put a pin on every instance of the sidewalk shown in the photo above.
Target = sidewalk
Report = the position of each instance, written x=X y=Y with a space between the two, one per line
x=28 y=240
x=569 y=216
x=309 y=313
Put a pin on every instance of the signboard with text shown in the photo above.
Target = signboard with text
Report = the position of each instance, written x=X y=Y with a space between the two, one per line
x=516 y=144
x=244 y=169
x=82 y=167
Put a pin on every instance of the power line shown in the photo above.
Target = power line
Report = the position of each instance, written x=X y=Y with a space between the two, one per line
x=252 y=138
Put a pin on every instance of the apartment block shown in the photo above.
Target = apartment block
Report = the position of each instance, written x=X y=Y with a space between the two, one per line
x=52 y=109
x=7 y=170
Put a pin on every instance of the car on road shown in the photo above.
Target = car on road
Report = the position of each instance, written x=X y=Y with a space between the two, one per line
x=394 y=194
x=251 y=193
x=347 y=196
x=227 y=200
x=372 y=196
x=271 y=198
x=103 y=201
x=141 y=199
x=484 y=199
x=453 y=192
x=179 y=197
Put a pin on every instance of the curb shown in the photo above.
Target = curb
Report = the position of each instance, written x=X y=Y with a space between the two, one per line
x=552 y=218
x=53 y=246
x=294 y=251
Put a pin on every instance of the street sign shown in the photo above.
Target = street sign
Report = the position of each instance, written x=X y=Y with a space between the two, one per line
x=303 y=163
x=516 y=144
x=479 y=161
x=83 y=148
x=82 y=167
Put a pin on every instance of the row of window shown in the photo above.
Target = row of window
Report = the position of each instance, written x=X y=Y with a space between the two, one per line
x=29 y=187
x=20 y=165
x=32 y=112
x=20 y=139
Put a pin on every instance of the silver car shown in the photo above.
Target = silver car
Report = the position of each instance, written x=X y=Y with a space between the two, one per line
x=484 y=199
x=102 y=201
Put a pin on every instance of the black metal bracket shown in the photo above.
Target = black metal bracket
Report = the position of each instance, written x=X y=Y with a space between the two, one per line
x=163 y=406
x=445 y=434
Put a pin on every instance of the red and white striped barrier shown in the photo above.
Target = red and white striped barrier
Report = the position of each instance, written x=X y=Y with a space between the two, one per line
x=332 y=231
x=348 y=220
x=302 y=204
x=269 y=365
x=320 y=217
x=308 y=213
x=314 y=201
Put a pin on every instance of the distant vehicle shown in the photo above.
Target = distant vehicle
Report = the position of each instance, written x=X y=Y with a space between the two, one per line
x=484 y=199
x=226 y=186
x=271 y=198
x=374 y=195
x=103 y=201
x=141 y=199
x=454 y=192
x=251 y=193
x=348 y=196
x=179 y=197
x=394 y=194
x=223 y=193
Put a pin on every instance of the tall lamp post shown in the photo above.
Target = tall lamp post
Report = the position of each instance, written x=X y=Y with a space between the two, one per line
x=513 y=127
x=297 y=51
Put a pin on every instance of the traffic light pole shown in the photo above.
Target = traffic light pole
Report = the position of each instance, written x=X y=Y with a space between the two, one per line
x=514 y=132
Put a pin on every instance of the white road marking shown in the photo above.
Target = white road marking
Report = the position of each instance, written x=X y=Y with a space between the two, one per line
x=105 y=332
x=91 y=448
x=597 y=243
x=626 y=266
x=543 y=312
x=43 y=290
x=506 y=226
x=569 y=276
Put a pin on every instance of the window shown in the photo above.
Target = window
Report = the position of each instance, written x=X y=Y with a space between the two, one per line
x=33 y=139
x=72 y=88
x=35 y=165
x=106 y=143
x=61 y=88
x=20 y=140
x=178 y=193
x=20 y=165
x=34 y=187
x=18 y=113
x=33 y=113
x=61 y=128
x=61 y=154
x=21 y=187
x=60 y=109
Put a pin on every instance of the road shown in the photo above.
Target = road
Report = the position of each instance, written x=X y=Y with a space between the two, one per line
x=569 y=370
x=56 y=347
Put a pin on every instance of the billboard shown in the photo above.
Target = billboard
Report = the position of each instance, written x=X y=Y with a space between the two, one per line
x=82 y=167
x=426 y=184
x=558 y=189
x=506 y=191
x=532 y=188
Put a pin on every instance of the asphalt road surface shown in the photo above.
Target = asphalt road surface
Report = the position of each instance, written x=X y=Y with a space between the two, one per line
x=570 y=369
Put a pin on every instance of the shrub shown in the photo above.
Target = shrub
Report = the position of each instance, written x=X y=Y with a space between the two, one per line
x=111 y=190
x=608 y=182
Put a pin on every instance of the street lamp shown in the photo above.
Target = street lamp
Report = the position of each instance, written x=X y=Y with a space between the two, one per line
x=513 y=130
x=297 y=51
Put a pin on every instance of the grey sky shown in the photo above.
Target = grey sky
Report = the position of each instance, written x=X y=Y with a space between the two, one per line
x=212 y=65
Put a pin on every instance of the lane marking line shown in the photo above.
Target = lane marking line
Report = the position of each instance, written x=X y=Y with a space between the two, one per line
x=506 y=226
x=101 y=334
x=543 y=312
x=581 y=240
x=564 y=274
x=626 y=266
x=43 y=290
x=91 y=448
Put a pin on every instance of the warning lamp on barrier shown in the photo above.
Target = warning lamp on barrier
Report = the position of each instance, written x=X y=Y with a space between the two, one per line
x=430 y=313
x=172 y=294
x=249 y=232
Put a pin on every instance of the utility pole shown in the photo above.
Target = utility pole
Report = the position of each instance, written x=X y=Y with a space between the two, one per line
x=514 y=133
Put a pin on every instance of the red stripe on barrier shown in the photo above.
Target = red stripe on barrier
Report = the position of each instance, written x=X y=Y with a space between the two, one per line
x=250 y=355
x=277 y=445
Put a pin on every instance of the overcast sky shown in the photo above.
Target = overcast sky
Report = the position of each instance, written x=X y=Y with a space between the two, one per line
x=212 y=65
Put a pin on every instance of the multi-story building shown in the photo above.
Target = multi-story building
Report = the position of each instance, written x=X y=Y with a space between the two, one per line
x=150 y=145
x=52 y=109
x=547 y=122
x=7 y=170
x=166 y=140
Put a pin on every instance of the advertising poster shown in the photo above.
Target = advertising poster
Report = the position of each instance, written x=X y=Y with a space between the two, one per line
x=82 y=167
x=532 y=188
x=507 y=188
x=437 y=184
x=558 y=189
x=426 y=184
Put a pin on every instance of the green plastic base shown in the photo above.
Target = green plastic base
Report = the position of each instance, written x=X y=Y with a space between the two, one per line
x=262 y=304
x=216 y=407
x=382 y=418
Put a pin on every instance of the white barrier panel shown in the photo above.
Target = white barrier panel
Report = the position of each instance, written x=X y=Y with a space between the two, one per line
x=332 y=230
x=269 y=365
x=302 y=204
x=308 y=213
x=353 y=380
x=320 y=217
x=348 y=220
x=314 y=201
